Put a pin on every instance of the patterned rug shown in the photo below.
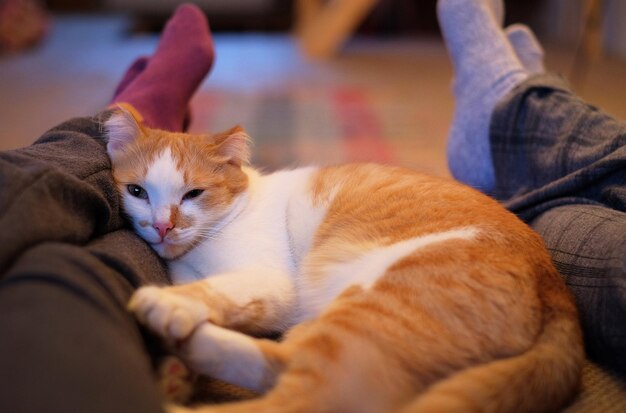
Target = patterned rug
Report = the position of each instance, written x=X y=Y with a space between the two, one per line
x=322 y=126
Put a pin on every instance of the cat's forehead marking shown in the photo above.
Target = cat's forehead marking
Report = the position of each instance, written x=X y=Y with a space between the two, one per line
x=163 y=177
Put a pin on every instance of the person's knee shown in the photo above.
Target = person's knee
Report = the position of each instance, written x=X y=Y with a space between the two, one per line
x=73 y=269
x=588 y=248
x=65 y=323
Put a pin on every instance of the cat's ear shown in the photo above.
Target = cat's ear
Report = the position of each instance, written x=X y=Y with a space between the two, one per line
x=122 y=128
x=234 y=145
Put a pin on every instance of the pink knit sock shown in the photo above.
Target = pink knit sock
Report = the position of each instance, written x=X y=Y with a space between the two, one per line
x=162 y=90
x=132 y=72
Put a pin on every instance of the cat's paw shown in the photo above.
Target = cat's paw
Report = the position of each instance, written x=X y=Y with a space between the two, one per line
x=227 y=355
x=167 y=313
x=175 y=380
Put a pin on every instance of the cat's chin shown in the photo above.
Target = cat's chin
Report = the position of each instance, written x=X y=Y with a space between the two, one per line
x=167 y=250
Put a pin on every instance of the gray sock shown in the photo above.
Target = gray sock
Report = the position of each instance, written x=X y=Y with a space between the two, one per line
x=527 y=47
x=485 y=68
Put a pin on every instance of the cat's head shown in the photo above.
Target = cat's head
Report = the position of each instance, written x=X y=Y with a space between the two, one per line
x=175 y=187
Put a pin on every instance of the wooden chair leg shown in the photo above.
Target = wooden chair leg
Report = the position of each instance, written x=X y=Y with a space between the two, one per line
x=326 y=27
x=590 y=42
x=306 y=10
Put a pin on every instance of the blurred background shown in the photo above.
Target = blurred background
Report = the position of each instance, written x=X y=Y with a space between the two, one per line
x=312 y=81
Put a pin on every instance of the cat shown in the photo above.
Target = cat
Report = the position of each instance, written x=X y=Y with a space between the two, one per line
x=395 y=291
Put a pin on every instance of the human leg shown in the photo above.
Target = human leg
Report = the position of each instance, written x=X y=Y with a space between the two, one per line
x=67 y=267
x=560 y=164
x=486 y=68
x=161 y=90
x=551 y=148
x=58 y=189
x=588 y=247
x=134 y=70
x=68 y=344
x=527 y=47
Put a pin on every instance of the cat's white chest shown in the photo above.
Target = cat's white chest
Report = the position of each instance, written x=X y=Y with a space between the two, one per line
x=234 y=250
x=275 y=230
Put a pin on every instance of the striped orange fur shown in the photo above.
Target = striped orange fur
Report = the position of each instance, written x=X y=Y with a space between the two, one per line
x=395 y=291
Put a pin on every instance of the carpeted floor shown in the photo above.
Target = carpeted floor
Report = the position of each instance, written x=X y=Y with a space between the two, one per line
x=600 y=392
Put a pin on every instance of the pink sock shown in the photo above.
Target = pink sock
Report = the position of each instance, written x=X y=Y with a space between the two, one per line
x=162 y=90
x=132 y=72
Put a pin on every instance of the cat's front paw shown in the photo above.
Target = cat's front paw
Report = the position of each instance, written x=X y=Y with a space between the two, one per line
x=167 y=313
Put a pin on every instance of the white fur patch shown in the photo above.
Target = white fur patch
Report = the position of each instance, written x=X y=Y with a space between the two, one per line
x=303 y=218
x=227 y=355
x=164 y=183
x=273 y=230
x=367 y=269
x=121 y=129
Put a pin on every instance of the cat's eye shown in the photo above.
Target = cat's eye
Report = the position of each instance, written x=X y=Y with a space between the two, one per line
x=137 y=191
x=194 y=193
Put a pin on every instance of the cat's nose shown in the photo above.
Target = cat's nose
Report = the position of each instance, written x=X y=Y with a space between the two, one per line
x=163 y=227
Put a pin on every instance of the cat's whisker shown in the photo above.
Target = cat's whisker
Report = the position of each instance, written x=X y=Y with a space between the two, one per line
x=206 y=236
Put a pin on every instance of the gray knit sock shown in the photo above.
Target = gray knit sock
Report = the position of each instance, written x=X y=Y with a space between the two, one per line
x=527 y=47
x=485 y=69
x=524 y=42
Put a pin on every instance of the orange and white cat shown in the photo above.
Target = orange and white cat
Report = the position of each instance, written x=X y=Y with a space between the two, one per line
x=396 y=291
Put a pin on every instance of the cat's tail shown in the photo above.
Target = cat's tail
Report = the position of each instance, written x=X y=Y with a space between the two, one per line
x=542 y=379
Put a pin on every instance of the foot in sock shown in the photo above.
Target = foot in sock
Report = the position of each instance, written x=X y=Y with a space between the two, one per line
x=132 y=72
x=162 y=90
x=486 y=68
x=527 y=47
